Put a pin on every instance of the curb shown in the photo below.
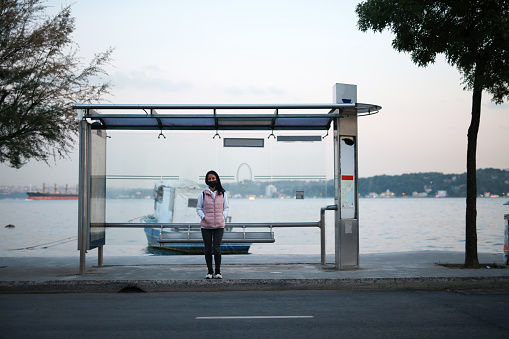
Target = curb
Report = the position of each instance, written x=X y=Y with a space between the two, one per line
x=133 y=286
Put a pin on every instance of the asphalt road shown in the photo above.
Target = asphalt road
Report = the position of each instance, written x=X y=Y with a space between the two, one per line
x=285 y=314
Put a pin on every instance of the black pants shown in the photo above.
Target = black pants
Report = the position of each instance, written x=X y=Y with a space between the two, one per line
x=212 y=240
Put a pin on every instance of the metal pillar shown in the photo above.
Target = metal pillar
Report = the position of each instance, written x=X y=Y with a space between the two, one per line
x=100 y=255
x=346 y=180
x=83 y=198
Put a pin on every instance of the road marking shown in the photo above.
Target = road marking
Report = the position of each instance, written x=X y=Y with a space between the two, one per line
x=258 y=317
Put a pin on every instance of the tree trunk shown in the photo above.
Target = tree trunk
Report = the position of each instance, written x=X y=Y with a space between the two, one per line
x=471 y=258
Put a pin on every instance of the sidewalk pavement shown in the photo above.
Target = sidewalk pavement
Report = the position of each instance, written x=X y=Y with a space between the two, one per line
x=397 y=270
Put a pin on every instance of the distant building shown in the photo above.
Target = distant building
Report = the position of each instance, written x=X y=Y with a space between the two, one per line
x=270 y=191
x=441 y=194
x=387 y=194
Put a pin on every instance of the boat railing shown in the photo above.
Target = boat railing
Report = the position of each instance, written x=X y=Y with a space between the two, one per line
x=191 y=234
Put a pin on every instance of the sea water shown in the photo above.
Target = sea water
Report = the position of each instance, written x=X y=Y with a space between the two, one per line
x=50 y=228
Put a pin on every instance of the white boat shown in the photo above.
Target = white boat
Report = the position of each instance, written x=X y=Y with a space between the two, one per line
x=175 y=202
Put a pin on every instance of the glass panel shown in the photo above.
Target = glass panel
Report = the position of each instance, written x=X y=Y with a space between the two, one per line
x=120 y=122
x=97 y=187
x=302 y=122
x=158 y=178
x=244 y=122
x=187 y=122
x=140 y=162
x=255 y=123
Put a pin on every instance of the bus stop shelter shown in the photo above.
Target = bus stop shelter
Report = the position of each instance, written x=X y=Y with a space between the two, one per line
x=340 y=117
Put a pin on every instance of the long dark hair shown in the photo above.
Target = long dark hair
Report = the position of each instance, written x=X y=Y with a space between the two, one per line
x=219 y=187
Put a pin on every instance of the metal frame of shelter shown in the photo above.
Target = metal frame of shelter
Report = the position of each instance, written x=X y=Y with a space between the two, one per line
x=342 y=115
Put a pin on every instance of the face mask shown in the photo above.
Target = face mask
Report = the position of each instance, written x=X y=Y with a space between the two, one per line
x=212 y=183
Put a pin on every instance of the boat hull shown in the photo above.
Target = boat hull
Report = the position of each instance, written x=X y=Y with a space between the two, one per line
x=193 y=248
x=51 y=196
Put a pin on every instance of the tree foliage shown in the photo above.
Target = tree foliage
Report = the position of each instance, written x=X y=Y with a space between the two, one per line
x=474 y=37
x=472 y=34
x=40 y=77
x=494 y=181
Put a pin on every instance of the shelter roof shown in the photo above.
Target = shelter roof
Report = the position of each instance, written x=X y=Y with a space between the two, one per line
x=219 y=116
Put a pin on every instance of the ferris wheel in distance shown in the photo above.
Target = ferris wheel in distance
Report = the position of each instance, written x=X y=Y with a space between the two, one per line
x=244 y=175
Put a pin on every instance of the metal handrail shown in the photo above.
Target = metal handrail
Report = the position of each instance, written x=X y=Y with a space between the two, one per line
x=320 y=224
x=322 y=230
x=197 y=225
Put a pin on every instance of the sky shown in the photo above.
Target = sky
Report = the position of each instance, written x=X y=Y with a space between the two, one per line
x=281 y=51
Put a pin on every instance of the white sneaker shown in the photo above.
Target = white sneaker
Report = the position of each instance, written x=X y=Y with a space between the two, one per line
x=208 y=276
x=218 y=276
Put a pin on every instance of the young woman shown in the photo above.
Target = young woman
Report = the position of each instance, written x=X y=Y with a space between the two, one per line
x=212 y=208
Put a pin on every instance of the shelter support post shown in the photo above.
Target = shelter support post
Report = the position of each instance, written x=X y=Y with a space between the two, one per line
x=83 y=198
x=100 y=255
x=346 y=180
